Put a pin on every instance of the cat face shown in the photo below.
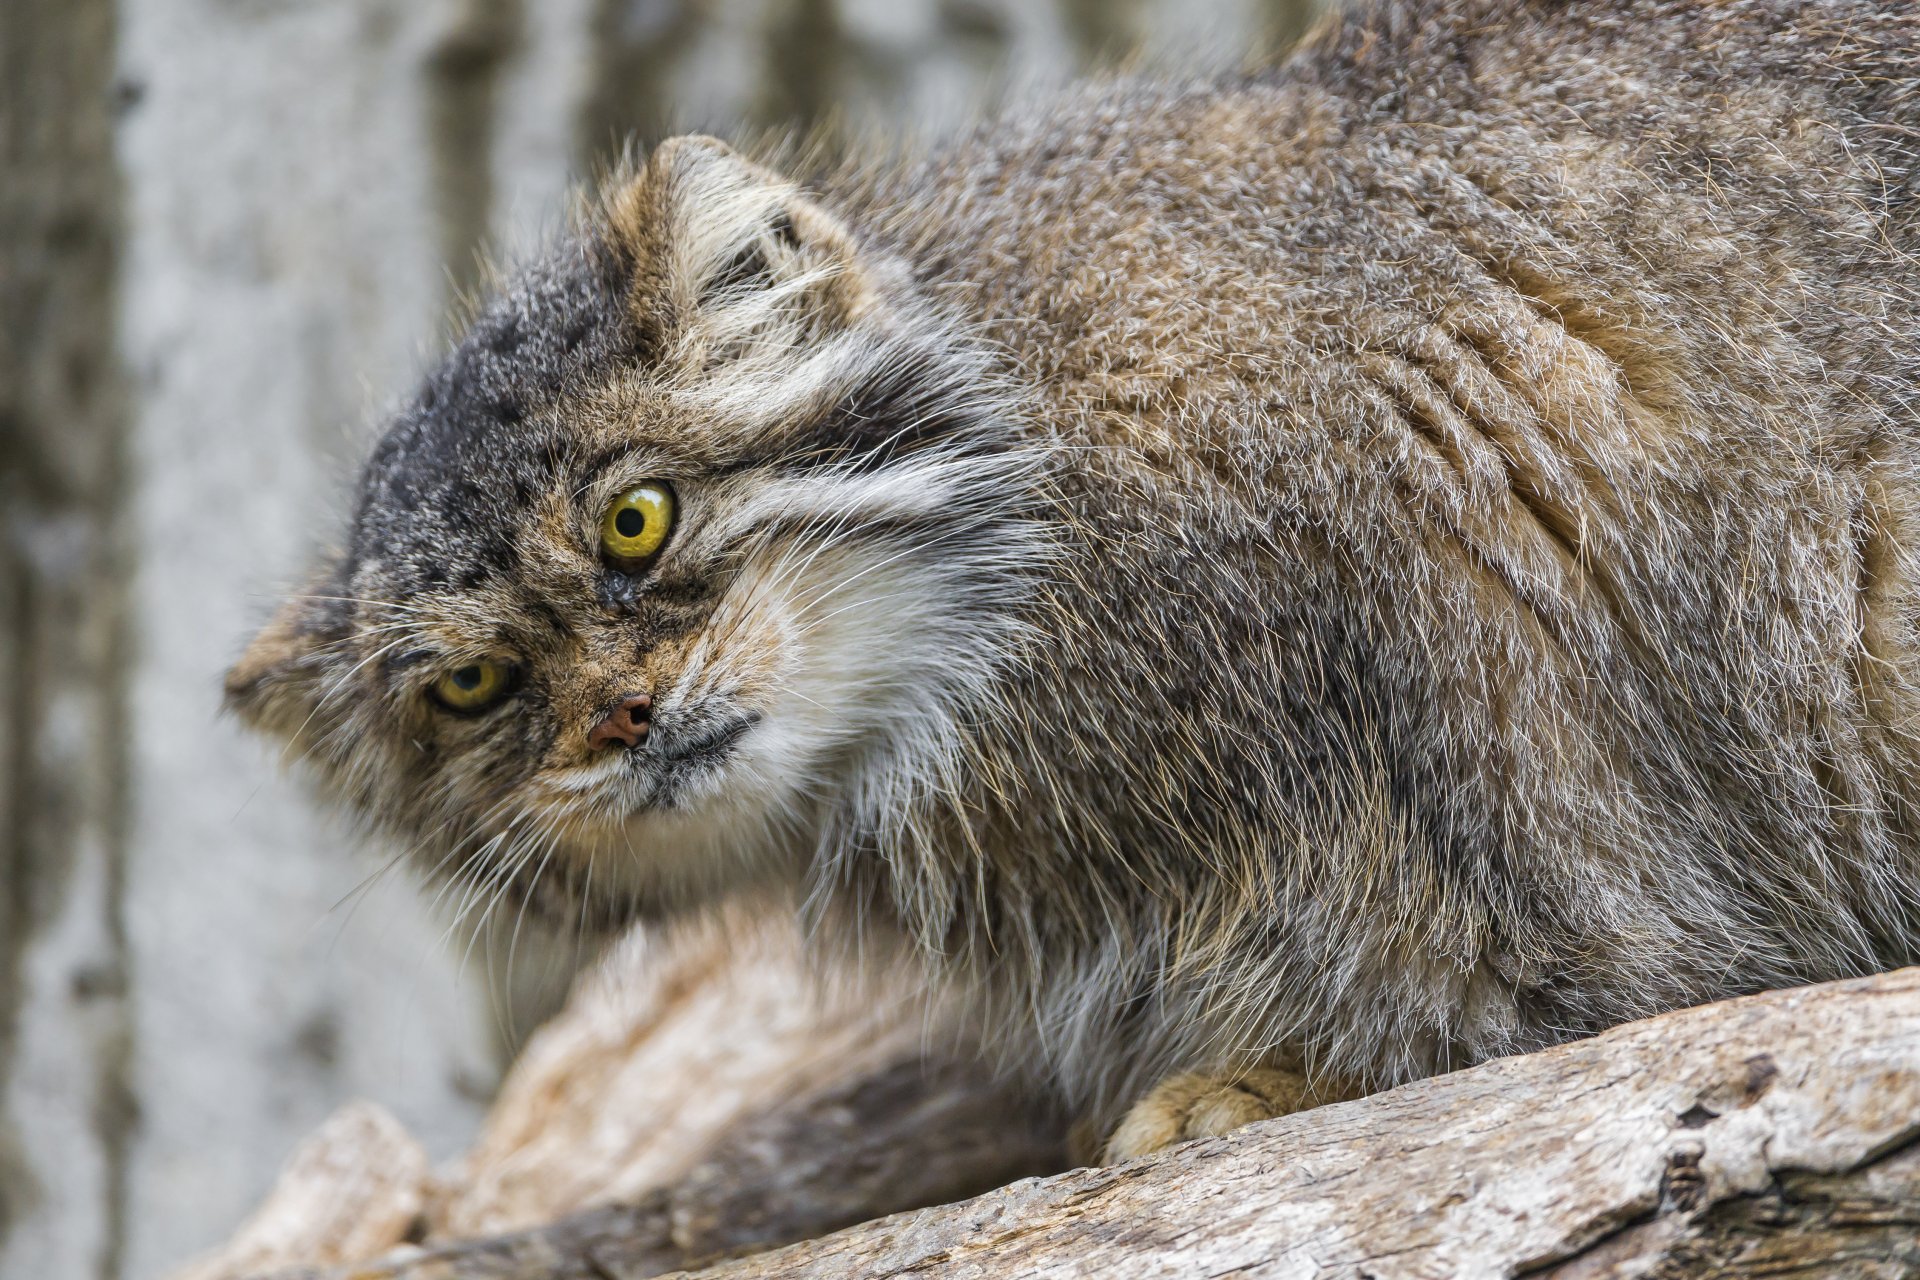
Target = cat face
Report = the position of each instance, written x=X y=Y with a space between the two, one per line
x=709 y=537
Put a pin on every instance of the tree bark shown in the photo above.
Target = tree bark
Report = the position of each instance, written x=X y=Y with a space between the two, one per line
x=696 y=1099
x=1764 y=1136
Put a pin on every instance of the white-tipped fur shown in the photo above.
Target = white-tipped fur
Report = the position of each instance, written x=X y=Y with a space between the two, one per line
x=1358 y=568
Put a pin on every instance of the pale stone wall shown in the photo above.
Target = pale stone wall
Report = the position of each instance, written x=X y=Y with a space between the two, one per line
x=229 y=233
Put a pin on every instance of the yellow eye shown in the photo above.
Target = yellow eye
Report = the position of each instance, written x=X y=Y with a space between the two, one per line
x=469 y=688
x=637 y=524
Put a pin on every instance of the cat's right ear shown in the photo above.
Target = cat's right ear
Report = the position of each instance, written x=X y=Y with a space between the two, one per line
x=276 y=685
x=732 y=261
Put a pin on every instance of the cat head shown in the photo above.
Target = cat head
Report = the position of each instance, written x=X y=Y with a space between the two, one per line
x=710 y=536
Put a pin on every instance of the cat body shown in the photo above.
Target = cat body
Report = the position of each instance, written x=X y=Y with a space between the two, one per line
x=1314 y=578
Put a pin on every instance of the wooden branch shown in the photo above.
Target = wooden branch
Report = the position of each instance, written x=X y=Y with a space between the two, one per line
x=1778 y=1133
x=1771 y=1135
x=695 y=1099
x=354 y=1187
x=913 y=1134
x=674 y=1056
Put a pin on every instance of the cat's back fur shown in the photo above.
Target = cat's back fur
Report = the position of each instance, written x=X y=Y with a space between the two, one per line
x=1498 y=437
x=1476 y=463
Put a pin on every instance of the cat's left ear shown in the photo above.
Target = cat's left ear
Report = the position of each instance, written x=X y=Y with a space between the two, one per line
x=732 y=260
x=276 y=685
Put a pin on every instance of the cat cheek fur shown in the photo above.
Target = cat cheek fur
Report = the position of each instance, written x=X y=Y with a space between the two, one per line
x=857 y=486
x=276 y=684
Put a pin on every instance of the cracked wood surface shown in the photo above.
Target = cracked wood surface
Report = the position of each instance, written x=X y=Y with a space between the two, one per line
x=1769 y=1135
x=700 y=1096
x=1777 y=1134
x=914 y=1133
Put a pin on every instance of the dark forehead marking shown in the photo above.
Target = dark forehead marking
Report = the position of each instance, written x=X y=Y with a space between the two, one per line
x=545 y=613
x=408 y=658
x=593 y=464
x=599 y=460
x=903 y=411
x=456 y=470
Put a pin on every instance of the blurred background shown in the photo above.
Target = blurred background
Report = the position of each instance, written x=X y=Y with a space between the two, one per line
x=230 y=232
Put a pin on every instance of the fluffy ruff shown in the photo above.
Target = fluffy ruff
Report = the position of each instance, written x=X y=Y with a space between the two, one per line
x=1352 y=569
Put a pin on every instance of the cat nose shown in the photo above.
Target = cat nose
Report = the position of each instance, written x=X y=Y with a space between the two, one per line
x=626 y=724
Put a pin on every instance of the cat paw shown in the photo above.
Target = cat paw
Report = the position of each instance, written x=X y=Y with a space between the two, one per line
x=1204 y=1104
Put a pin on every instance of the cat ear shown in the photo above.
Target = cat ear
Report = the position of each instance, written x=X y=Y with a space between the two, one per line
x=733 y=260
x=275 y=686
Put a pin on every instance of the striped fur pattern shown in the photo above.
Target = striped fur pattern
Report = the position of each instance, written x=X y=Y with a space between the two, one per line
x=1357 y=567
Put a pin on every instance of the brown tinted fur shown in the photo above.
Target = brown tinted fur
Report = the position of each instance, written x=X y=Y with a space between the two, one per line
x=1482 y=461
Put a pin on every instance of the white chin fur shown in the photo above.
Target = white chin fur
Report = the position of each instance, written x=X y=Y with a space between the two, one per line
x=855 y=659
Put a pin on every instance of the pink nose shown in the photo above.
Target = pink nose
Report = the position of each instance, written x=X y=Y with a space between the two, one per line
x=626 y=724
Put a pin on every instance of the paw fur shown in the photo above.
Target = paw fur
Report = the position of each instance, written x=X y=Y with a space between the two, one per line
x=1204 y=1104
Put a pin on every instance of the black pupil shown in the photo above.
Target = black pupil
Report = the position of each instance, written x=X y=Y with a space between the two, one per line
x=629 y=522
x=467 y=678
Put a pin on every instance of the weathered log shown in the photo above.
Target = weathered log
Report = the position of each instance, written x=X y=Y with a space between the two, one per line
x=354 y=1187
x=913 y=1134
x=695 y=1099
x=673 y=1056
x=1774 y=1134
